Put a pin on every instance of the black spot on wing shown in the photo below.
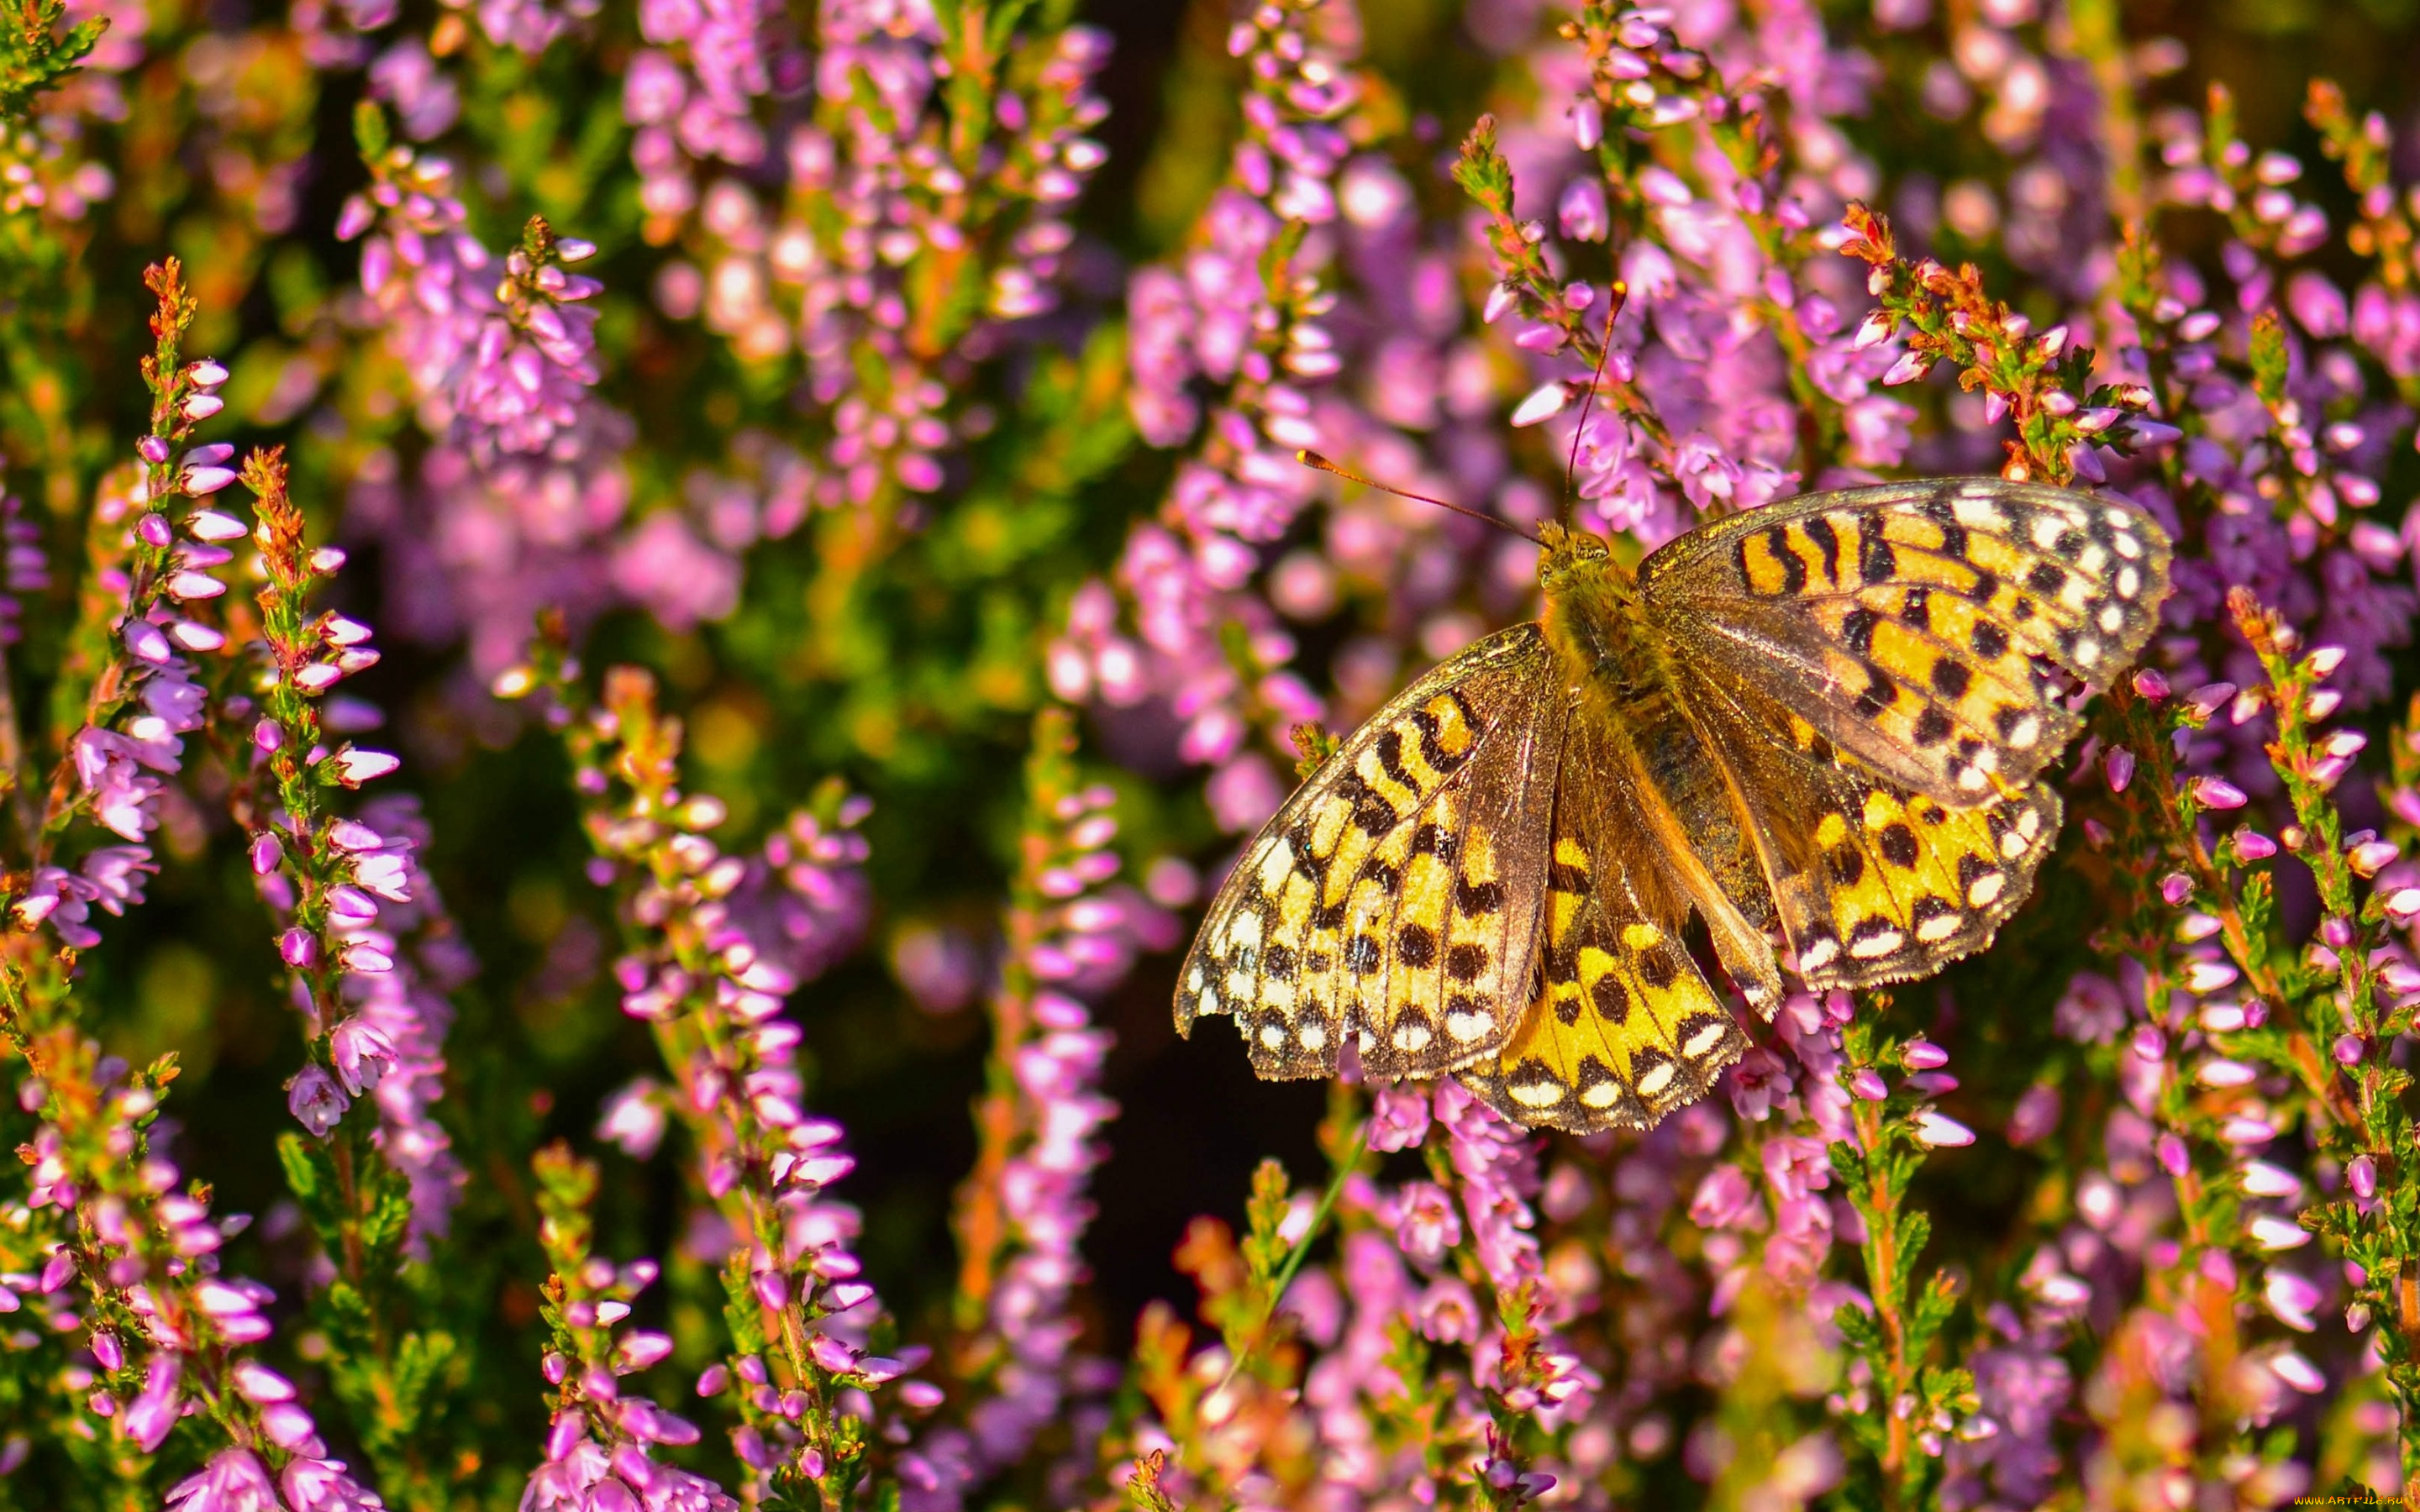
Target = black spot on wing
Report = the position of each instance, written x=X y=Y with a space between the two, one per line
x=1828 y=541
x=1876 y=561
x=1857 y=629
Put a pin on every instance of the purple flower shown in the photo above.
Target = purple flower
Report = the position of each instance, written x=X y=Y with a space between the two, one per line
x=1426 y=1224
x=150 y=1417
x=1448 y=1313
x=1725 y=1199
x=233 y=1481
x=1398 y=1116
x=315 y=1101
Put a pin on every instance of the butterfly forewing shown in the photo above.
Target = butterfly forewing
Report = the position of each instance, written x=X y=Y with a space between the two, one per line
x=1914 y=624
x=1620 y=1027
x=1394 y=900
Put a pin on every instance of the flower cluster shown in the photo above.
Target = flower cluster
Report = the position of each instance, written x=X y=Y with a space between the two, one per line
x=500 y=367
x=600 y=1442
x=346 y=889
x=800 y=1316
x=1241 y=316
x=1023 y=1209
x=153 y=579
x=167 y=1332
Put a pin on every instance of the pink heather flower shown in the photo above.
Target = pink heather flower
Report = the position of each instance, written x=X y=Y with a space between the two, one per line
x=356 y=766
x=1398 y=1116
x=1724 y=1198
x=1757 y=1082
x=315 y=1101
x=2092 y=1012
x=1496 y=1163
x=361 y=1053
x=1941 y=1130
x=1426 y=1224
x=1448 y=1313
x=148 y=1418
x=1922 y=1054
x=1796 y=1165
x=2036 y=1114
x=233 y=1481
x=634 y=1118
x=2361 y=1175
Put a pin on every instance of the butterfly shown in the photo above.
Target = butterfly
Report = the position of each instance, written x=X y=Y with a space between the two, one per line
x=1823 y=722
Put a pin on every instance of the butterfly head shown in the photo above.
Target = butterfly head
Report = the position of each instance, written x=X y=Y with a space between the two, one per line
x=1574 y=558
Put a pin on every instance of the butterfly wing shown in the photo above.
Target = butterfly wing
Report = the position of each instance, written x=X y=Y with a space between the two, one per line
x=1621 y=1027
x=1913 y=623
x=1394 y=899
x=1873 y=882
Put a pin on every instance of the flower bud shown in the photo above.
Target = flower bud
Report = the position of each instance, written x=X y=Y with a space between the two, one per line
x=1942 y=1132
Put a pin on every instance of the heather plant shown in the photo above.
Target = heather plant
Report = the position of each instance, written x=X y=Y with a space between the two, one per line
x=632 y=637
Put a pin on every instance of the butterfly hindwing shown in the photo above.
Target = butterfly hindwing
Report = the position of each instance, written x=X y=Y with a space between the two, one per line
x=1621 y=1026
x=1393 y=901
x=1914 y=624
x=1875 y=883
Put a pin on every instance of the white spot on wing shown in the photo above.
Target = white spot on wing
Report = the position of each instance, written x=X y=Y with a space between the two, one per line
x=1878 y=944
x=1272 y=864
x=1412 y=1037
x=1702 y=1041
x=2025 y=732
x=1468 y=1027
x=1537 y=1094
x=1656 y=1080
x=1975 y=512
x=1313 y=1035
x=1939 y=927
x=1986 y=890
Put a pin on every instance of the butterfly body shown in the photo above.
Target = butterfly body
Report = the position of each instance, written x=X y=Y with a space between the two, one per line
x=1821 y=721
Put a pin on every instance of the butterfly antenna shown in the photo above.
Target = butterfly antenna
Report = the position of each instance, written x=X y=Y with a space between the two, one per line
x=1312 y=459
x=1621 y=296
